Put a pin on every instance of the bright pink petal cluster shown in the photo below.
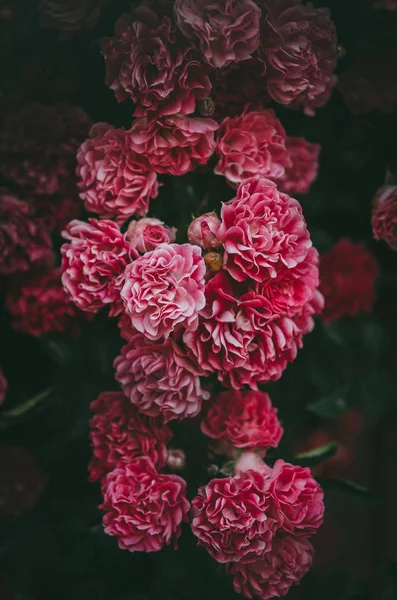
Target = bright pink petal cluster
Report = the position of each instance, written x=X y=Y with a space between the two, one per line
x=69 y=16
x=302 y=168
x=40 y=305
x=176 y=144
x=384 y=216
x=226 y=31
x=93 y=264
x=347 y=275
x=143 y=509
x=243 y=420
x=3 y=386
x=114 y=181
x=251 y=144
x=24 y=241
x=299 y=49
x=120 y=433
x=164 y=288
x=159 y=379
x=149 y=61
x=203 y=231
x=146 y=234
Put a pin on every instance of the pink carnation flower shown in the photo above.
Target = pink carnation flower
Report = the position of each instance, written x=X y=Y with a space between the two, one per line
x=243 y=420
x=120 y=433
x=296 y=499
x=203 y=231
x=159 y=379
x=299 y=48
x=165 y=288
x=262 y=230
x=384 y=216
x=231 y=518
x=288 y=560
x=174 y=145
x=127 y=331
x=24 y=241
x=93 y=264
x=251 y=144
x=146 y=234
x=143 y=509
x=70 y=15
x=115 y=182
x=148 y=61
x=302 y=168
x=3 y=387
x=40 y=305
x=226 y=31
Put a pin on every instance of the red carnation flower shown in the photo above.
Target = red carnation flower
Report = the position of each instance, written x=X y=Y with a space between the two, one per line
x=243 y=420
x=93 y=264
x=231 y=518
x=262 y=230
x=120 y=433
x=40 y=305
x=174 y=145
x=24 y=242
x=251 y=144
x=3 y=387
x=70 y=15
x=148 y=61
x=302 y=168
x=298 y=46
x=226 y=31
x=384 y=215
x=144 y=509
x=159 y=379
x=347 y=275
x=288 y=560
x=115 y=182
x=22 y=480
x=296 y=499
x=146 y=234
x=38 y=147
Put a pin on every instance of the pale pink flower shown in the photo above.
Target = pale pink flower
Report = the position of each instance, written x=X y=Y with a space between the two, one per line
x=146 y=234
x=203 y=231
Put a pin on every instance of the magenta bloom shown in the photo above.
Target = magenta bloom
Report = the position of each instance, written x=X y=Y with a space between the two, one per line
x=69 y=16
x=143 y=509
x=159 y=379
x=115 y=182
x=174 y=145
x=165 y=288
x=93 y=264
x=148 y=61
x=302 y=168
x=226 y=31
x=203 y=231
x=299 y=49
x=146 y=234
x=40 y=305
x=24 y=241
x=231 y=518
x=384 y=215
x=120 y=433
x=3 y=387
x=251 y=144
x=272 y=575
x=262 y=230
x=243 y=420
x=296 y=499
x=347 y=274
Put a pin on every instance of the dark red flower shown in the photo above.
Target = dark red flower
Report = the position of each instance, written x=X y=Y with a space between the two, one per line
x=302 y=168
x=384 y=215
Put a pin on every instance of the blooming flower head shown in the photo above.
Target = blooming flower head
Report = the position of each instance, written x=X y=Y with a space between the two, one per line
x=203 y=231
x=115 y=182
x=302 y=168
x=120 y=433
x=149 y=61
x=244 y=420
x=226 y=31
x=251 y=144
x=159 y=379
x=165 y=288
x=3 y=387
x=174 y=145
x=299 y=49
x=272 y=575
x=347 y=274
x=231 y=519
x=93 y=264
x=146 y=234
x=143 y=509
x=384 y=216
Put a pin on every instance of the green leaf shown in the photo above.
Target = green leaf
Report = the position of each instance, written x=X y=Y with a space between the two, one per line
x=346 y=486
x=10 y=415
x=317 y=456
x=332 y=405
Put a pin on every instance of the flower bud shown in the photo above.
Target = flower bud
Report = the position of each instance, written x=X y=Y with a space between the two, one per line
x=214 y=261
x=203 y=231
x=145 y=234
